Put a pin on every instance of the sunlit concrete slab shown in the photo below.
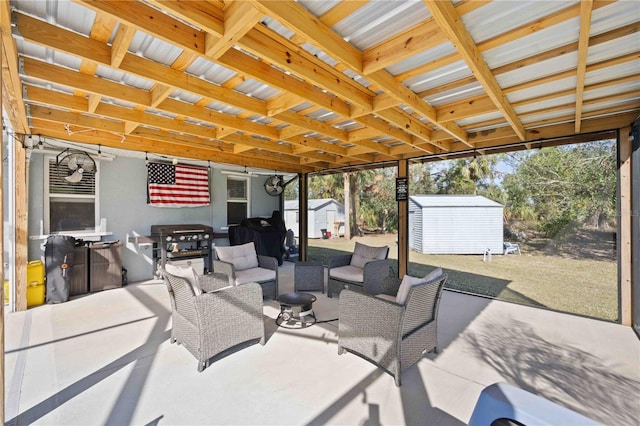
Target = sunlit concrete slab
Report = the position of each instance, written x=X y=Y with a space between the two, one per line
x=105 y=358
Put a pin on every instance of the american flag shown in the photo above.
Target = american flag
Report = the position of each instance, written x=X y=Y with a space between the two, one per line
x=177 y=186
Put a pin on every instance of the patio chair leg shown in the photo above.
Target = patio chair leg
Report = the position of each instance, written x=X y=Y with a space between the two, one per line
x=397 y=379
x=341 y=350
x=202 y=365
x=262 y=341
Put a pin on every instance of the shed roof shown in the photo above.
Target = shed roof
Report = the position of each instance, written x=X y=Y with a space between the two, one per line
x=437 y=200
x=314 y=204
x=312 y=85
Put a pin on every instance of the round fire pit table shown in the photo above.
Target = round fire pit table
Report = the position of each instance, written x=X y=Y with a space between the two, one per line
x=296 y=310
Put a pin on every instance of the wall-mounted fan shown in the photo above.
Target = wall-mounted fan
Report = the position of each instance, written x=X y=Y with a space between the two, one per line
x=72 y=164
x=273 y=185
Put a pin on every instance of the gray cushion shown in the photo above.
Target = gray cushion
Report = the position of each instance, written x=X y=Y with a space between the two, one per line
x=255 y=275
x=433 y=275
x=348 y=273
x=363 y=254
x=406 y=284
x=186 y=272
x=242 y=257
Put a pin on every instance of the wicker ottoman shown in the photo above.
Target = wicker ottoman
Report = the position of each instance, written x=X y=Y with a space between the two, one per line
x=308 y=276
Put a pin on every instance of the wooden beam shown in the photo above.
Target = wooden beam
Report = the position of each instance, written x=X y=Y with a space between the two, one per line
x=286 y=55
x=3 y=295
x=586 y=7
x=151 y=21
x=446 y=16
x=300 y=20
x=403 y=225
x=11 y=85
x=121 y=44
x=239 y=18
x=21 y=225
x=626 y=217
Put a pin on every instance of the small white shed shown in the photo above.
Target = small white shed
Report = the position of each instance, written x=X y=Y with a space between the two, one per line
x=323 y=213
x=455 y=224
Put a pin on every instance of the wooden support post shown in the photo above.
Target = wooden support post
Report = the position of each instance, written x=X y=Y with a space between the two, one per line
x=2 y=403
x=625 y=147
x=21 y=227
x=403 y=225
x=347 y=206
x=303 y=213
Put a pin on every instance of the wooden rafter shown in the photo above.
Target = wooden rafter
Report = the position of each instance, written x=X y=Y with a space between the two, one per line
x=586 y=7
x=446 y=16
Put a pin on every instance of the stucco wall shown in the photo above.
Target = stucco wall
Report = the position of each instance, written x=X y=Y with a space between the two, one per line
x=123 y=204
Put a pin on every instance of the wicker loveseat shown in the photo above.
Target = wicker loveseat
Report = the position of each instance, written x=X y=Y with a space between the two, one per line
x=362 y=271
x=217 y=318
x=396 y=328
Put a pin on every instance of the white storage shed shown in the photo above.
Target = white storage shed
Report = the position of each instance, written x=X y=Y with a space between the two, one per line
x=323 y=213
x=455 y=224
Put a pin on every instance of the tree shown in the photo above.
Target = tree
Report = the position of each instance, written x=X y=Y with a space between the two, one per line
x=565 y=187
x=467 y=176
x=421 y=179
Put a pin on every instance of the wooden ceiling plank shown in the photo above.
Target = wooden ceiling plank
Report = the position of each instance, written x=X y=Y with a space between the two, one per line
x=102 y=27
x=239 y=18
x=153 y=120
x=283 y=102
x=66 y=77
x=313 y=125
x=121 y=43
x=446 y=16
x=152 y=21
x=466 y=108
x=406 y=97
x=421 y=37
x=531 y=60
x=44 y=34
x=269 y=75
x=93 y=102
x=60 y=116
x=298 y=18
x=586 y=7
x=341 y=10
x=175 y=78
x=202 y=14
x=288 y=56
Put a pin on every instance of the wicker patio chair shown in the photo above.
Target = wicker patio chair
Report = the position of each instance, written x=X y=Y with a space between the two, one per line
x=242 y=264
x=392 y=336
x=363 y=270
x=211 y=323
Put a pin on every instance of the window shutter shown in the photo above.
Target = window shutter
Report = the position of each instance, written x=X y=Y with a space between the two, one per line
x=59 y=185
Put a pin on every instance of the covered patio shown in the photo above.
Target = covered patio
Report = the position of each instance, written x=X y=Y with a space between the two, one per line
x=106 y=359
x=300 y=88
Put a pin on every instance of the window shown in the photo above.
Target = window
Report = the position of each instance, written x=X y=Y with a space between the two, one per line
x=237 y=200
x=69 y=206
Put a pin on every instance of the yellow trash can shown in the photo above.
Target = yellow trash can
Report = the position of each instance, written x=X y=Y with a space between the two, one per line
x=35 y=283
x=35 y=272
x=35 y=294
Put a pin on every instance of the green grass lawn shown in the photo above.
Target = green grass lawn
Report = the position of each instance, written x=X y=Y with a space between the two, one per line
x=584 y=285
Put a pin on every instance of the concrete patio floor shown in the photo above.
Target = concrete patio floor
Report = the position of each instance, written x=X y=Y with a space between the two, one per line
x=105 y=358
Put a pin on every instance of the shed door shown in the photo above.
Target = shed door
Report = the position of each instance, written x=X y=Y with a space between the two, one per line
x=331 y=218
x=412 y=230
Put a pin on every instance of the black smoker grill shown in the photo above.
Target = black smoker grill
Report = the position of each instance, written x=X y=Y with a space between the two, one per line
x=181 y=242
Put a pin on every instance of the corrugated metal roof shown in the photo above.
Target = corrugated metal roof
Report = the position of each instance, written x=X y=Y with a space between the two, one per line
x=407 y=86
x=453 y=201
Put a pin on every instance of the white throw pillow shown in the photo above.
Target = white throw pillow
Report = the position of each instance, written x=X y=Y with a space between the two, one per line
x=433 y=275
x=363 y=254
x=406 y=284
x=186 y=272
x=242 y=257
